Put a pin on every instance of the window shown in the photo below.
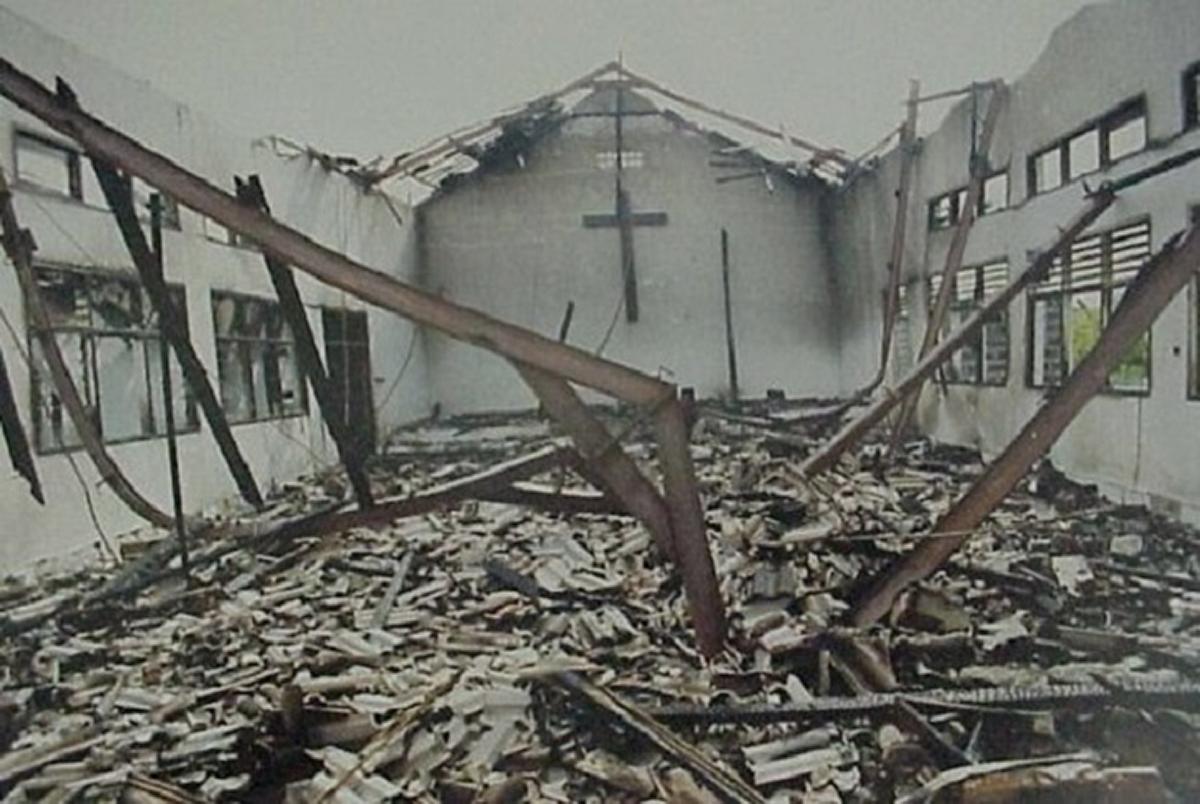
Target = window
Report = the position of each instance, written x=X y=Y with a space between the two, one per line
x=1094 y=147
x=348 y=359
x=983 y=359
x=107 y=331
x=1194 y=325
x=61 y=169
x=256 y=359
x=1191 y=96
x=945 y=210
x=1071 y=307
x=607 y=160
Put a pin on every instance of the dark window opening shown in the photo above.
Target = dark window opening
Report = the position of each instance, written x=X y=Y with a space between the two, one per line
x=348 y=359
x=256 y=360
x=945 y=210
x=1191 y=96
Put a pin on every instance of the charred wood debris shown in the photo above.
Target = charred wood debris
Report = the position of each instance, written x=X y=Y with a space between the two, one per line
x=489 y=652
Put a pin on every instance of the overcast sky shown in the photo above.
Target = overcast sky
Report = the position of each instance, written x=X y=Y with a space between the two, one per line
x=367 y=77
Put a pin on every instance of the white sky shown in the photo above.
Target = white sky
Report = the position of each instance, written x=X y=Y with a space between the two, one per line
x=367 y=77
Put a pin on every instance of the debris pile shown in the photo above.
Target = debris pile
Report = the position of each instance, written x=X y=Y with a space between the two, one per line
x=488 y=652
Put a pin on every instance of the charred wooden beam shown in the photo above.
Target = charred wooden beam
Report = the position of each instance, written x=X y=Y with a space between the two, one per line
x=895 y=266
x=1156 y=284
x=954 y=255
x=614 y=470
x=19 y=246
x=19 y=453
x=118 y=191
x=349 y=448
x=849 y=435
x=299 y=251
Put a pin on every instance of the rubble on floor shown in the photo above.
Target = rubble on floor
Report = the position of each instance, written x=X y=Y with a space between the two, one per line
x=493 y=653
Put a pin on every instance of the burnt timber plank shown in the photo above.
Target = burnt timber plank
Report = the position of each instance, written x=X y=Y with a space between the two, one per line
x=349 y=449
x=18 y=245
x=118 y=191
x=1159 y=281
x=14 y=436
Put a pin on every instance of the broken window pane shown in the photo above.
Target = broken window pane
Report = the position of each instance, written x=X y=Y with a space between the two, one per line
x=256 y=359
x=1047 y=170
x=995 y=193
x=942 y=212
x=1083 y=153
x=109 y=339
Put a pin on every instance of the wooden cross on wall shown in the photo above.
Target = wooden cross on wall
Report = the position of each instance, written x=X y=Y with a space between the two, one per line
x=624 y=219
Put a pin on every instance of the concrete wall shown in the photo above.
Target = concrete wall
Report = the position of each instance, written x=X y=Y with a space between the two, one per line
x=325 y=206
x=511 y=242
x=1140 y=448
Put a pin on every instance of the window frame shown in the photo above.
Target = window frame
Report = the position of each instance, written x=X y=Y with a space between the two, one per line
x=1106 y=287
x=1104 y=125
x=979 y=298
x=1191 y=96
x=957 y=196
x=77 y=163
x=302 y=409
x=191 y=418
x=1192 y=385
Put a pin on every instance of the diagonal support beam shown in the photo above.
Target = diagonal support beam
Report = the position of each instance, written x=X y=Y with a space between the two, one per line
x=954 y=255
x=290 y=246
x=676 y=523
x=1159 y=281
x=18 y=245
x=118 y=191
x=850 y=435
x=349 y=448
x=19 y=453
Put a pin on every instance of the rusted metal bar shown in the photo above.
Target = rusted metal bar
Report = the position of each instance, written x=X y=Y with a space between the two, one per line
x=692 y=554
x=603 y=455
x=19 y=246
x=954 y=255
x=1156 y=284
x=19 y=453
x=118 y=190
x=895 y=267
x=294 y=248
x=169 y=401
x=849 y=435
x=349 y=448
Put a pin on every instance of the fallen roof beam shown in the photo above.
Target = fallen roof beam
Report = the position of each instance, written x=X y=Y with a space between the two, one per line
x=563 y=501
x=1159 y=281
x=828 y=154
x=19 y=246
x=349 y=448
x=494 y=479
x=19 y=453
x=290 y=246
x=954 y=255
x=118 y=191
x=849 y=435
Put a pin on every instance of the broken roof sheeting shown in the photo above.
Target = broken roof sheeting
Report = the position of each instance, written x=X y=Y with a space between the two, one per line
x=465 y=149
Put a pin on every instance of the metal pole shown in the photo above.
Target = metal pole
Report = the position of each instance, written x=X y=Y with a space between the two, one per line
x=729 y=339
x=164 y=354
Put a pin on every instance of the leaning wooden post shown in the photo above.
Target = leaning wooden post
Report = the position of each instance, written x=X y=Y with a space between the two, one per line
x=164 y=363
x=954 y=256
x=18 y=245
x=1156 y=284
x=895 y=266
x=119 y=193
x=849 y=435
x=19 y=453
x=349 y=448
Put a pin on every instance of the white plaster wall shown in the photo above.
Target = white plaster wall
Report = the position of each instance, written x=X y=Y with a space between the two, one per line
x=325 y=206
x=1136 y=448
x=511 y=242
